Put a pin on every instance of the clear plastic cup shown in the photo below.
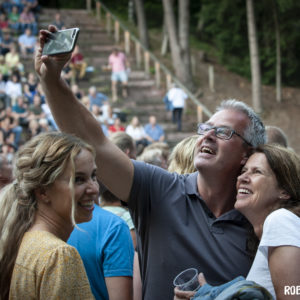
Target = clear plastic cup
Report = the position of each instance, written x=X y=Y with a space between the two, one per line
x=187 y=280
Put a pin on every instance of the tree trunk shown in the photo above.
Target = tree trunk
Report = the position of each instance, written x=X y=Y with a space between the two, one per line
x=142 y=23
x=278 y=54
x=165 y=40
x=254 y=58
x=182 y=70
x=184 y=30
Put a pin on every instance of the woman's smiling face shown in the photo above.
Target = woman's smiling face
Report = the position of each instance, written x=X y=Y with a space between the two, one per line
x=257 y=187
x=86 y=189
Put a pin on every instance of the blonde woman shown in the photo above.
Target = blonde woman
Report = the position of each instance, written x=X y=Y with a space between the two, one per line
x=181 y=159
x=55 y=187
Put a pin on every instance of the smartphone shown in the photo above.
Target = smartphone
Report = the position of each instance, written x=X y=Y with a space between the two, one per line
x=62 y=41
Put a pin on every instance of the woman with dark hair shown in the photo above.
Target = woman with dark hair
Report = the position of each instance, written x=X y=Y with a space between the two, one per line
x=268 y=194
x=55 y=187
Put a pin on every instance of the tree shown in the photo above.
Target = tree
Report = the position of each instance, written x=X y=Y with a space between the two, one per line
x=179 y=40
x=254 y=58
x=278 y=54
x=142 y=23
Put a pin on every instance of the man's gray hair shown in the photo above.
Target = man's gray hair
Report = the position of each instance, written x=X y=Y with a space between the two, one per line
x=255 y=133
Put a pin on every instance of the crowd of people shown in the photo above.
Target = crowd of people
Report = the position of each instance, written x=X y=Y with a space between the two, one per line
x=225 y=201
x=23 y=110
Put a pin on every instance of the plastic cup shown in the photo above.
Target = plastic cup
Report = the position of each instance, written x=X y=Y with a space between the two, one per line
x=187 y=280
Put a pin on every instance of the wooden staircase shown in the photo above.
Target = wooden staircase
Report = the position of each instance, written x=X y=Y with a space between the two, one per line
x=144 y=98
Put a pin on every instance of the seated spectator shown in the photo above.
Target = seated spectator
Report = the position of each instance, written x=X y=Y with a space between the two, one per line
x=38 y=213
x=108 y=116
x=66 y=73
x=116 y=127
x=12 y=60
x=4 y=99
x=6 y=41
x=19 y=4
x=6 y=6
x=40 y=91
x=34 y=128
x=276 y=135
x=76 y=91
x=32 y=82
x=137 y=132
x=34 y=5
x=77 y=64
x=13 y=19
x=8 y=150
x=154 y=156
x=14 y=125
x=154 y=132
x=6 y=175
x=58 y=23
x=96 y=98
x=49 y=116
x=125 y=143
x=3 y=68
x=27 y=20
x=14 y=87
x=3 y=21
x=35 y=109
x=6 y=133
x=44 y=125
x=21 y=111
x=27 y=43
x=27 y=94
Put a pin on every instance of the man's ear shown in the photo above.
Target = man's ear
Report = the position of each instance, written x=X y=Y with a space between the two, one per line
x=41 y=194
x=247 y=153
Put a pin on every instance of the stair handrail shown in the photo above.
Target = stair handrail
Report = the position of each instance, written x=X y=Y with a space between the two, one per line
x=170 y=77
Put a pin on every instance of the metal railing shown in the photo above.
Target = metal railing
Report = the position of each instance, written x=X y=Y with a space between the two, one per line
x=142 y=53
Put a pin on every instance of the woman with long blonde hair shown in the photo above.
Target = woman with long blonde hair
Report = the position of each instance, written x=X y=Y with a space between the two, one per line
x=55 y=187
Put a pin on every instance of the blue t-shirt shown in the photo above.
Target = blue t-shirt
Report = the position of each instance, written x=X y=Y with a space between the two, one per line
x=97 y=100
x=154 y=132
x=106 y=248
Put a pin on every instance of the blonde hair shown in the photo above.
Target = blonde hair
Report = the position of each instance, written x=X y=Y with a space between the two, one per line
x=182 y=157
x=38 y=164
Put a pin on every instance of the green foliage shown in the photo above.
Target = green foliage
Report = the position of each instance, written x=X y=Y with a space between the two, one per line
x=225 y=28
x=219 y=27
x=63 y=3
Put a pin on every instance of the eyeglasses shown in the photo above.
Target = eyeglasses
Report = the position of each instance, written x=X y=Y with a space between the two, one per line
x=221 y=132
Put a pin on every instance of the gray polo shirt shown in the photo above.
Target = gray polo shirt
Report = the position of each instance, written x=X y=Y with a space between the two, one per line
x=176 y=231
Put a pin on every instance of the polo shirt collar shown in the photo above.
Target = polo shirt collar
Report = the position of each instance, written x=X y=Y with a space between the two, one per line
x=191 y=189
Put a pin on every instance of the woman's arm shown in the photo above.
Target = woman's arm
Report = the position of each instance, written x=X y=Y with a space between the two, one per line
x=119 y=287
x=284 y=264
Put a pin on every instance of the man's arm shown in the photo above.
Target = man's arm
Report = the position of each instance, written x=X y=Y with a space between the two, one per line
x=115 y=169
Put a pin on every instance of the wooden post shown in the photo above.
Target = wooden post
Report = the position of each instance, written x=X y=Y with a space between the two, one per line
x=98 y=10
x=147 y=62
x=138 y=54
x=108 y=22
x=117 y=31
x=193 y=64
x=127 y=42
x=211 y=78
x=199 y=114
x=168 y=81
x=157 y=74
x=88 y=5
